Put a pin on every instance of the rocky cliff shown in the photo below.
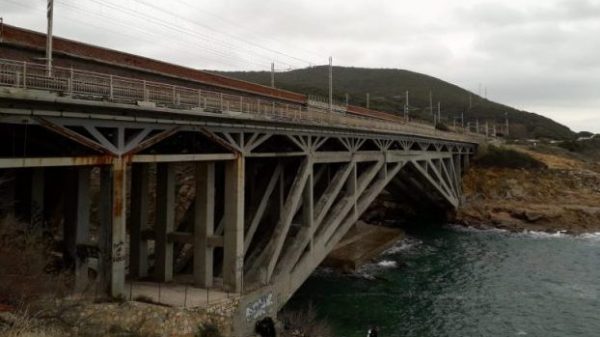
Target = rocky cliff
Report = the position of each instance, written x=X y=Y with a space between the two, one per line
x=564 y=196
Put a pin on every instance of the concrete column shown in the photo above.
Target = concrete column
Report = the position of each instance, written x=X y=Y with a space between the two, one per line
x=37 y=198
x=105 y=231
x=204 y=224
x=119 y=202
x=351 y=188
x=233 y=259
x=466 y=162
x=77 y=221
x=138 y=251
x=165 y=220
x=308 y=215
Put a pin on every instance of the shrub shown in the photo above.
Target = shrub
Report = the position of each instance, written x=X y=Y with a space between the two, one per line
x=442 y=127
x=502 y=157
x=305 y=323
x=209 y=329
x=571 y=145
x=24 y=258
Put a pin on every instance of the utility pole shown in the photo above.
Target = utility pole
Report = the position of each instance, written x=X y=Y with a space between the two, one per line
x=506 y=121
x=50 y=17
x=462 y=120
x=330 y=83
x=470 y=101
x=347 y=99
x=439 y=118
x=431 y=105
x=368 y=99
x=486 y=129
x=273 y=75
x=406 y=107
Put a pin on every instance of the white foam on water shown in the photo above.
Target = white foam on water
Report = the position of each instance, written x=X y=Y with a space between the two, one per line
x=528 y=233
x=521 y=333
x=546 y=235
x=402 y=245
x=387 y=264
x=461 y=228
x=590 y=236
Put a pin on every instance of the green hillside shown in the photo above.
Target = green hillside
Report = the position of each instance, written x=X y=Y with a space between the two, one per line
x=387 y=88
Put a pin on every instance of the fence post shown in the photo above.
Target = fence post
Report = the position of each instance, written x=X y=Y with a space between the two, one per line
x=111 y=89
x=71 y=77
x=185 y=297
x=25 y=75
x=145 y=98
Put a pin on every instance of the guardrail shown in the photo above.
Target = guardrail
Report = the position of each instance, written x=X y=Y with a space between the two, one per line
x=89 y=85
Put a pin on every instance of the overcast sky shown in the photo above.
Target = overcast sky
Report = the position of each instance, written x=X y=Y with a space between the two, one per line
x=540 y=56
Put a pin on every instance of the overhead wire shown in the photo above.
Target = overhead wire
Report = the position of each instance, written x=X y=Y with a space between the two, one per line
x=231 y=55
x=247 y=29
x=220 y=58
x=233 y=36
x=160 y=22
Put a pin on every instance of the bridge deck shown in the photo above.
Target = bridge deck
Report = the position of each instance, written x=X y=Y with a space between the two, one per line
x=77 y=86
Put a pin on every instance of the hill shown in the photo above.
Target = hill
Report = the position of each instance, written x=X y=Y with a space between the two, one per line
x=387 y=89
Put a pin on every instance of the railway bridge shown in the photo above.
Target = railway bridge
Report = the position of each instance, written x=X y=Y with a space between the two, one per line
x=168 y=171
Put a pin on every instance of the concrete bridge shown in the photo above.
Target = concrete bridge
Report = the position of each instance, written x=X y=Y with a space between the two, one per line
x=167 y=170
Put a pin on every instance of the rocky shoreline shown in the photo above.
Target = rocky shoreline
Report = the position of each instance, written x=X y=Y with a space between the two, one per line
x=565 y=197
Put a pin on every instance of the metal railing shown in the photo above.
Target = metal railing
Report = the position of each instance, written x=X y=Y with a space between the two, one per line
x=89 y=85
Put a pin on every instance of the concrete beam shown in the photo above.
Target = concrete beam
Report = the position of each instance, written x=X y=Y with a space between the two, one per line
x=166 y=158
x=54 y=161
x=262 y=206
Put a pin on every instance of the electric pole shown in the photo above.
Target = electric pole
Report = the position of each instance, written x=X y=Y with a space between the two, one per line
x=50 y=17
x=330 y=83
x=506 y=121
x=273 y=75
x=431 y=105
x=439 y=118
x=406 y=107
x=368 y=99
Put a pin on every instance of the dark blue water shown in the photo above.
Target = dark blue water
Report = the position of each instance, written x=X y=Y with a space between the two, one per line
x=456 y=282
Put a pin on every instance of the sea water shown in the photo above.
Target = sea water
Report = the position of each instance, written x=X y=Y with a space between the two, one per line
x=456 y=281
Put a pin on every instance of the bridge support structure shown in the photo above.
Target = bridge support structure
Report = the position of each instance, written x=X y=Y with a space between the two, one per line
x=248 y=207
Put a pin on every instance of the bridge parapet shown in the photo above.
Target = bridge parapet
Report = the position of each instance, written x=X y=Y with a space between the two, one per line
x=93 y=86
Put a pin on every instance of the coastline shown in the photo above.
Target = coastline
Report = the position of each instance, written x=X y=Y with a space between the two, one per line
x=564 y=197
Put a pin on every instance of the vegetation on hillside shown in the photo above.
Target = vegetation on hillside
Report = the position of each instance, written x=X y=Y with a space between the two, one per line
x=502 y=157
x=387 y=89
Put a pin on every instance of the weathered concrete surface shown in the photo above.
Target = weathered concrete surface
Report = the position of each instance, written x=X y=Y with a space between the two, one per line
x=362 y=243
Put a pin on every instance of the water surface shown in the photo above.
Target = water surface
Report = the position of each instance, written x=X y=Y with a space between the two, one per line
x=459 y=282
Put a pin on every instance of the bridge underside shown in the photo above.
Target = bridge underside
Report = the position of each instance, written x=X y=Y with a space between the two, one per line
x=248 y=208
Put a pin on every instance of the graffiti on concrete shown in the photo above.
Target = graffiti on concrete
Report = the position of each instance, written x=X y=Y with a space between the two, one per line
x=259 y=308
